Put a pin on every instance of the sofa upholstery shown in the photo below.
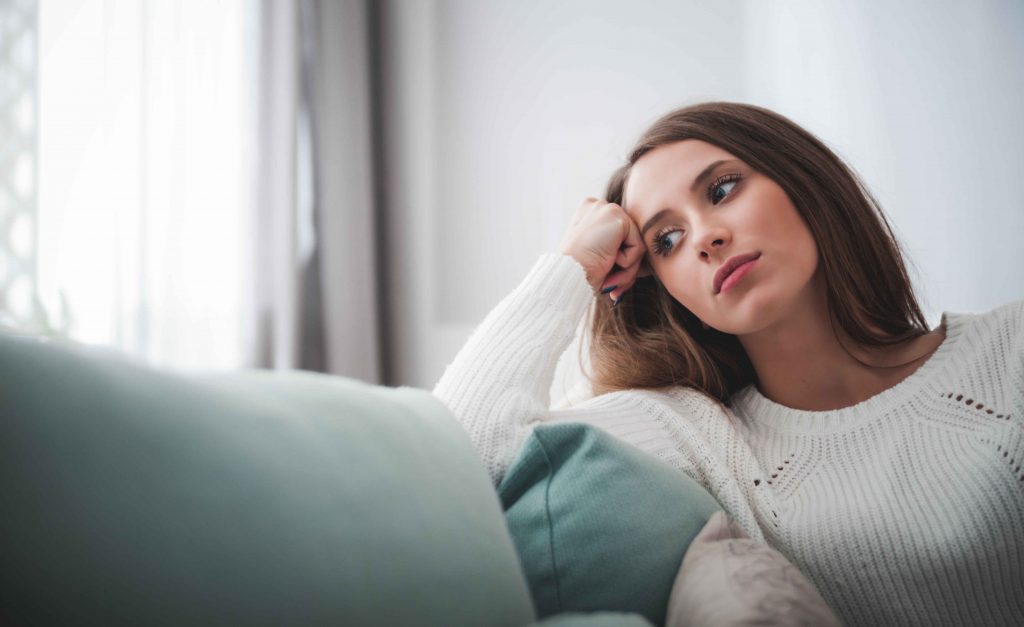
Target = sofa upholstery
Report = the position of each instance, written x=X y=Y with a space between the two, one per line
x=134 y=495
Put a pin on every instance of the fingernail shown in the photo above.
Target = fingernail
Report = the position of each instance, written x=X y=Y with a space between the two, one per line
x=608 y=289
x=617 y=300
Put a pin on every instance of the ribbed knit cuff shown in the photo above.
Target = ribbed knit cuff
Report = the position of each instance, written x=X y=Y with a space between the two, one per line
x=559 y=282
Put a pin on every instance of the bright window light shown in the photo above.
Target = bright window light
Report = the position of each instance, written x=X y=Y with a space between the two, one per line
x=145 y=162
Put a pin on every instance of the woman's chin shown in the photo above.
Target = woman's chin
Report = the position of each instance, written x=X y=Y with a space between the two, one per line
x=753 y=313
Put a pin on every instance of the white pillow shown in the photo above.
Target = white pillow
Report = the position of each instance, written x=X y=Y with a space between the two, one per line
x=726 y=578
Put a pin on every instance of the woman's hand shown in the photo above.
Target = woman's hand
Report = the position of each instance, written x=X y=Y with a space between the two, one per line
x=606 y=242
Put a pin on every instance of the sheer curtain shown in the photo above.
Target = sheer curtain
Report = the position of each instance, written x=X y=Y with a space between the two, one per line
x=206 y=182
x=145 y=174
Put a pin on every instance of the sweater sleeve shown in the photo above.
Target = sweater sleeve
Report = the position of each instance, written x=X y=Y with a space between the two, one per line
x=499 y=383
x=1016 y=383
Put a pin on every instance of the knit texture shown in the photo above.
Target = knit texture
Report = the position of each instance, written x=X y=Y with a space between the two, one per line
x=905 y=509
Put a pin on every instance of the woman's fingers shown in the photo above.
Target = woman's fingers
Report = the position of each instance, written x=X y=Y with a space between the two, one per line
x=621 y=280
x=630 y=259
x=583 y=208
x=632 y=249
x=595 y=237
x=637 y=254
x=606 y=242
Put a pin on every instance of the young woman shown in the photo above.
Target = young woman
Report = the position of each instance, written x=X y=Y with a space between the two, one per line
x=754 y=326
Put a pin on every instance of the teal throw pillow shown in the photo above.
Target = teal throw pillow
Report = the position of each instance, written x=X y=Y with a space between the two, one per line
x=599 y=524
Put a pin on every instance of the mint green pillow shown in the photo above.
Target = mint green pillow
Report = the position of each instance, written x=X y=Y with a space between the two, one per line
x=599 y=524
x=133 y=496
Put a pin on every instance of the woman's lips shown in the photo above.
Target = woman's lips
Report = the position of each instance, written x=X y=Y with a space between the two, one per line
x=737 y=275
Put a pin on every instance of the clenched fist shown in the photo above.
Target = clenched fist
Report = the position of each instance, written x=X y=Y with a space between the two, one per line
x=602 y=237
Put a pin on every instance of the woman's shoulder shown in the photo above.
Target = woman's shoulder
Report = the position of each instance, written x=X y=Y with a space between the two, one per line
x=990 y=340
x=1006 y=318
x=1012 y=310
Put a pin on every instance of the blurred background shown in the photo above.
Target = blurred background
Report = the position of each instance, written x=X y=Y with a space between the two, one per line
x=350 y=186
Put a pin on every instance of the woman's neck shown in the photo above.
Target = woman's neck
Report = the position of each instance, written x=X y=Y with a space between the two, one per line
x=802 y=364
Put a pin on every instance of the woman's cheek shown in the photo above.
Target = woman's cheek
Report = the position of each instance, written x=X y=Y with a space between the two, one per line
x=692 y=301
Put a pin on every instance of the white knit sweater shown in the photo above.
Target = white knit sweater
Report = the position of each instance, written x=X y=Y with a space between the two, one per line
x=905 y=509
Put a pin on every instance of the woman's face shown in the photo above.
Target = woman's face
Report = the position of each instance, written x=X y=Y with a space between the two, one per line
x=694 y=219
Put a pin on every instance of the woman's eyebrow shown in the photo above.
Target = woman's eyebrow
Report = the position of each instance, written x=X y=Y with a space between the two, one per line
x=705 y=173
x=697 y=183
x=654 y=220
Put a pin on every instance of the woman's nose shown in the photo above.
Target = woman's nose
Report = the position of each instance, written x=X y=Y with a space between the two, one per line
x=712 y=239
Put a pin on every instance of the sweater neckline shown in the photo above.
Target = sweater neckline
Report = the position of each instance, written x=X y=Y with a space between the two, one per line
x=759 y=409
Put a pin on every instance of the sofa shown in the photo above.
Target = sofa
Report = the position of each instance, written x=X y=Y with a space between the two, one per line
x=136 y=495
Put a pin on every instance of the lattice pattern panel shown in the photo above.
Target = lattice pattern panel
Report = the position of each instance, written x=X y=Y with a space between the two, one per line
x=18 y=162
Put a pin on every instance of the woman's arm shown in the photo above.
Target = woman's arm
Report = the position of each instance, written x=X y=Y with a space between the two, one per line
x=500 y=380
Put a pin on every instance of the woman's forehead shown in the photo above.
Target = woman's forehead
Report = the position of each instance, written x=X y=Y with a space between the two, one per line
x=667 y=170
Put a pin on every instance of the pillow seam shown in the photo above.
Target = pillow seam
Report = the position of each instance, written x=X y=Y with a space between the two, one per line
x=551 y=524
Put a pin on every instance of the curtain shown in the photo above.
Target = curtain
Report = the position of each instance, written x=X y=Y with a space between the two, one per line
x=317 y=281
x=144 y=156
x=206 y=182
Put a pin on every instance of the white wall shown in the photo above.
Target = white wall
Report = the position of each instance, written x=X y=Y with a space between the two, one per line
x=924 y=102
x=502 y=116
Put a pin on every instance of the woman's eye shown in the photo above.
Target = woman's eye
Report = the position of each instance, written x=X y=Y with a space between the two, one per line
x=726 y=183
x=664 y=243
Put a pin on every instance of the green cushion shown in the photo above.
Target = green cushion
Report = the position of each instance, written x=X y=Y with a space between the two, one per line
x=594 y=619
x=137 y=496
x=599 y=524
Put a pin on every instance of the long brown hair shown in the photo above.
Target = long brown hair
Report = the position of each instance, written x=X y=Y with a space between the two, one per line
x=649 y=340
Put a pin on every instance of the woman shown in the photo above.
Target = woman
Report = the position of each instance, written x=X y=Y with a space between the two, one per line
x=754 y=326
